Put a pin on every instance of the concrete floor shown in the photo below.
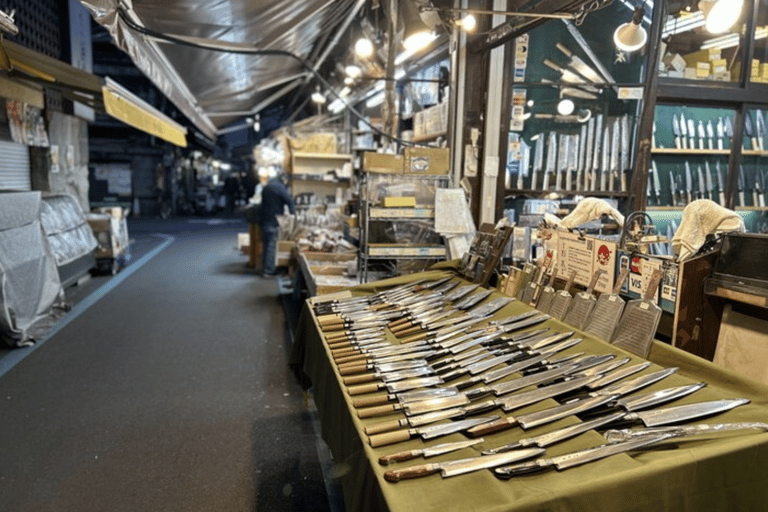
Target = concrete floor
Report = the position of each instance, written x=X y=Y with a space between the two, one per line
x=165 y=388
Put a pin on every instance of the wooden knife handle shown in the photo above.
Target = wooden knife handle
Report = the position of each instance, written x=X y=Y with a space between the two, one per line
x=337 y=341
x=359 y=379
x=410 y=330
x=363 y=389
x=384 y=426
x=352 y=358
x=332 y=318
x=492 y=427
x=350 y=364
x=345 y=351
x=370 y=401
x=379 y=410
x=351 y=370
x=563 y=49
x=415 y=337
x=395 y=475
x=395 y=323
x=333 y=327
x=389 y=438
x=386 y=460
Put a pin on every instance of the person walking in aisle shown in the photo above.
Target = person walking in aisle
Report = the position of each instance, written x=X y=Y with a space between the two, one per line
x=274 y=197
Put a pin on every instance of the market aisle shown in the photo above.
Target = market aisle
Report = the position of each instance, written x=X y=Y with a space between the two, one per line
x=170 y=393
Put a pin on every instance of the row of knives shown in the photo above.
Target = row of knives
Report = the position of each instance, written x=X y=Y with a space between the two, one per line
x=692 y=134
x=451 y=356
x=706 y=183
x=595 y=159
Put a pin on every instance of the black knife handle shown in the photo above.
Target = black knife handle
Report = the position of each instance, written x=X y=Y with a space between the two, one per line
x=519 y=469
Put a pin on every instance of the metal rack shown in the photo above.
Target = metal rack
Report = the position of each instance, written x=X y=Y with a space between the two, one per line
x=375 y=251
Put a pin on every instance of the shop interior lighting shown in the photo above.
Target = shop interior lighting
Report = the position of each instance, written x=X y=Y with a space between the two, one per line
x=375 y=100
x=7 y=23
x=631 y=36
x=257 y=123
x=318 y=97
x=349 y=81
x=353 y=71
x=720 y=15
x=336 y=106
x=468 y=22
x=683 y=23
x=731 y=40
x=565 y=107
x=416 y=34
x=364 y=48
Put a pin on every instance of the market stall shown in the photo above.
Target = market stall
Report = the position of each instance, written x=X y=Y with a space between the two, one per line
x=722 y=472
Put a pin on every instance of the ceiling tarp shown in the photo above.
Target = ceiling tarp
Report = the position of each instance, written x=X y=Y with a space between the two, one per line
x=208 y=85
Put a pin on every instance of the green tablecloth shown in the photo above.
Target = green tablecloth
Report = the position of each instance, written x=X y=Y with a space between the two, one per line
x=726 y=472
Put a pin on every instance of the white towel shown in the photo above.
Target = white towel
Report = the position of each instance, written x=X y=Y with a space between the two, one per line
x=589 y=209
x=701 y=218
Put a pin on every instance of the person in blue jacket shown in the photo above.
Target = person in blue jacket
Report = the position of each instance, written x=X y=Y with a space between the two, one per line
x=274 y=197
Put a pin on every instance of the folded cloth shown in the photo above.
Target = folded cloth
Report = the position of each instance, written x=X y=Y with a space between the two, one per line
x=589 y=209
x=701 y=218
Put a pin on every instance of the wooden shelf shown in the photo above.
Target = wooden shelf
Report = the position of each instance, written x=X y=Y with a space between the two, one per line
x=324 y=156
x=593 y=193
x=675 y=151
x=431 y=136
x=705 y=152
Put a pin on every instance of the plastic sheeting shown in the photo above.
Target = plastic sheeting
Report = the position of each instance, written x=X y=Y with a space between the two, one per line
x=201 y=81
x=29 y=280
x=69 y=235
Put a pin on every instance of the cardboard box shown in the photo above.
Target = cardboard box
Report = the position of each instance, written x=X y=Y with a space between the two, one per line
x=399 y=202
x=426 y=160
x=382 y=163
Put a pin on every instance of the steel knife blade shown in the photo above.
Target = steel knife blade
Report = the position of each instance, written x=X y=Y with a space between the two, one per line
x=655 y=398
x=462 y=466
x=729 y=128
x=720 y=130
x=720 y=187
x=551 y=159
x=596 y=154
x=615 y=149
x=538 y=160
x=605 y=162
x=701 y=132
x=742 y=186
x=680 y=413
x=559 y=435
x=710 y=134
x=701 y=182
x=683 y=131
x=749 y=129
x=581 y=168
x=428 y=432
x=692 y=134
x=580 y=457
x=760 y=129
x=688 y=181
x=676 y=130
x=564 y=145
x=588 y=152
x=672 y=187
x=578 y=65
x=710 y=184
x=430 y=451
x=625 y=148
x=656 y=183
x=535 y=419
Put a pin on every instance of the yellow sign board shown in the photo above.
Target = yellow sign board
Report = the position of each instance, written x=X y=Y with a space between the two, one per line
x=133 y=115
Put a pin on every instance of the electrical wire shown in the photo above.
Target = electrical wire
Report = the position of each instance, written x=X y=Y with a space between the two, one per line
x=267 y=53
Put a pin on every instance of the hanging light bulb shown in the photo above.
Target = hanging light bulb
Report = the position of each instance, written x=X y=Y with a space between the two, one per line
x=353 y=71
x=631 y=36
x=468 y=23
x=318 y=97
x=565 y=107
x=720 y=15
x=257 y=123
x=416 y=34
x=364 y=48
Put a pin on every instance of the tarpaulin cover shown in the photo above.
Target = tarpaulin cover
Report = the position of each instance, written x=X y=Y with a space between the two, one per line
x=201 y=81
x=29 y=280
x=69 y=234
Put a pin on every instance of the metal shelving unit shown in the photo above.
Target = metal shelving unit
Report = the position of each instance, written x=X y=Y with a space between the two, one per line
x=396 y=251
